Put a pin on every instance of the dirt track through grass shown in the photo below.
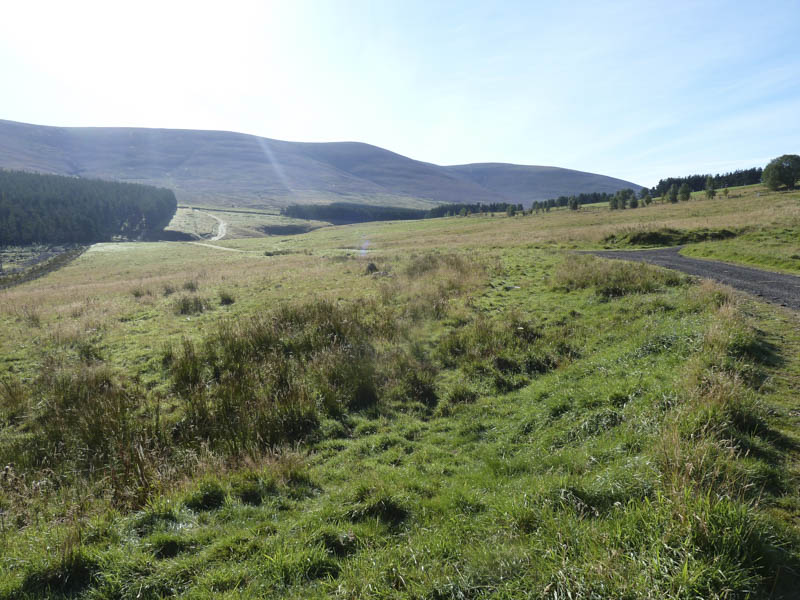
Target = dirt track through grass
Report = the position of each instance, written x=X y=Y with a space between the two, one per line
x=777 y=288
x=222 y=228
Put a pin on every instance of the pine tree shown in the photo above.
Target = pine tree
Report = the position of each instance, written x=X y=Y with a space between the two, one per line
x=672 y=194
x=710 y=191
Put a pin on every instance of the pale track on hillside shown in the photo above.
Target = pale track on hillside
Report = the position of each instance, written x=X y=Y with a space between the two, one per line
x=222 y=227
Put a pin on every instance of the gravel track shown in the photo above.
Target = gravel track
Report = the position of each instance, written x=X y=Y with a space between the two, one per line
x=222 y=227
x=776 y=288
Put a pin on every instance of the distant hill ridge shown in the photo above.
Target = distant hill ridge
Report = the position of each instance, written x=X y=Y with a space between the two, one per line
x=220 y=168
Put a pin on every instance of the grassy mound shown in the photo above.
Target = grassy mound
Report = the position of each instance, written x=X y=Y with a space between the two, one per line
x=666 y=236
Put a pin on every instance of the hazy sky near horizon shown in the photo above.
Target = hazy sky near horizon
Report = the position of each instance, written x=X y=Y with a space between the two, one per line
x=633 y=89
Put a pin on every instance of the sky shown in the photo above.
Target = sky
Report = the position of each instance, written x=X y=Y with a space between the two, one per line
x=637 y=90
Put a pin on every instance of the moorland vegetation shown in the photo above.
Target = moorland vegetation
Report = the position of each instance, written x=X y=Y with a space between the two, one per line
x=483 y=414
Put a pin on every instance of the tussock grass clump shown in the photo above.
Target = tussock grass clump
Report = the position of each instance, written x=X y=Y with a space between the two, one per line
x=462 y=394
x=506 y=352
x=338 y=543
x=14 y=401
x=81 y=420
x=719 y=437
x=87 y=412
x=381 y=503
x=410 y=378
x=429 y=283
x=267 y=380
x=208 y=495
x=612 y=278
x=158 y=515
x=709 y=294
x=69 y=575
x=226 y=298
x=426 y=263
x=169 y=545
x=31 y=315
x=190 y=305
x=252 y=487
x=730 y=346
x=140 y=292
x=88 y=348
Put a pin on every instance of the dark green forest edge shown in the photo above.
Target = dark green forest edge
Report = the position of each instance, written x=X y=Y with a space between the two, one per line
x=610 y=431
x=36 y=208
x=342 y=213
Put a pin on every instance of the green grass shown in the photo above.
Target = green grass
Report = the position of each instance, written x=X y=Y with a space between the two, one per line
x=481 y=418
x=775 y=248
x=242 y=223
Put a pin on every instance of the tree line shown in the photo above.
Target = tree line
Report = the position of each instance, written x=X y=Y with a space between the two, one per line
x=452 y=210
x=782 y=171
x=572 y=202
x=697 y=183
x=37 y=208
x=343 y=213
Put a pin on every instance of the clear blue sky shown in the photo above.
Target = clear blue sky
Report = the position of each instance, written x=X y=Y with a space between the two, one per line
x=638 y=90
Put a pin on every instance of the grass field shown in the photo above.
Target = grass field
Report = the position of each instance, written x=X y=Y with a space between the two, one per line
x=486 y=416
x=241 y=223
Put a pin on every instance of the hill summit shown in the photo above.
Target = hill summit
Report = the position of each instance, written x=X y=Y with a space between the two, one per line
x=233 y=169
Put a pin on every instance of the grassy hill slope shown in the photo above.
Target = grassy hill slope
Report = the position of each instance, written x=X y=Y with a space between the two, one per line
x=216 y=168
x=515 y=181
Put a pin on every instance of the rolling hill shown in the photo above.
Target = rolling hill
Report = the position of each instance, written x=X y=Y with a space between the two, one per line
x=219 y=168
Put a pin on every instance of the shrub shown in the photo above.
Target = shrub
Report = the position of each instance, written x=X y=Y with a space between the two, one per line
x=226 y=298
